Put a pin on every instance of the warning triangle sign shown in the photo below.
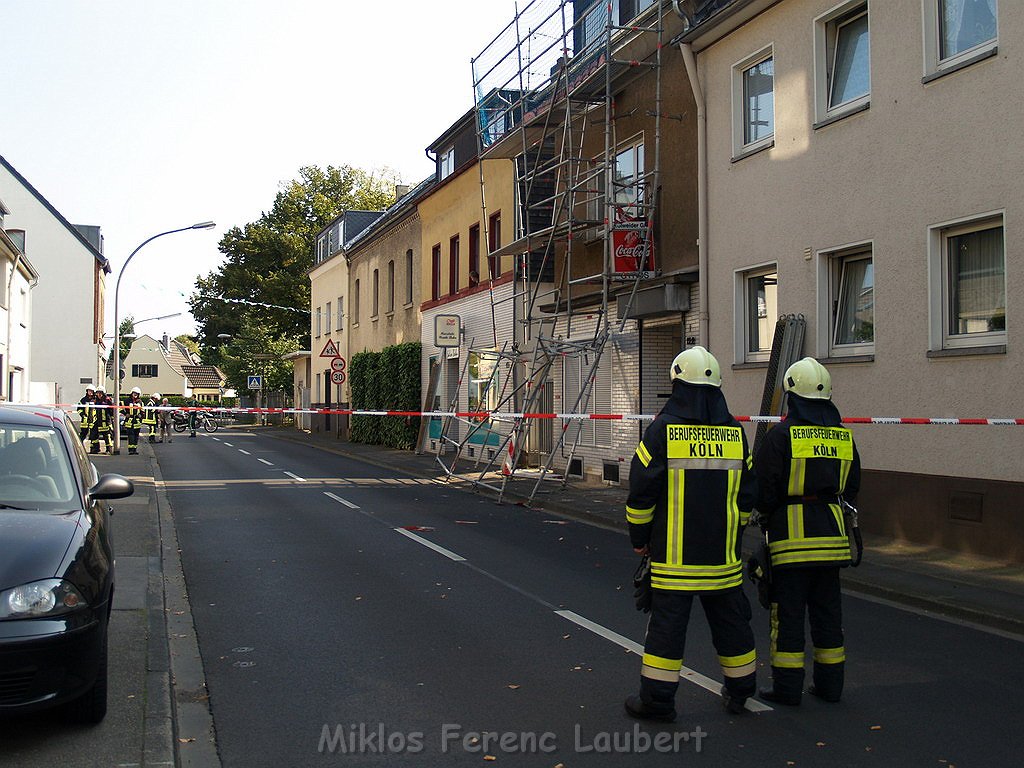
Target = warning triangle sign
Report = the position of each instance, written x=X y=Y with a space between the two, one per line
x=330 y=349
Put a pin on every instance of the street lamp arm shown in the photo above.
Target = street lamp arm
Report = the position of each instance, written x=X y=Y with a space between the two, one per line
x=117 y=324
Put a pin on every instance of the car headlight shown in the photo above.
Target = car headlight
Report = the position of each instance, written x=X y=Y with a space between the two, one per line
x=50 y=597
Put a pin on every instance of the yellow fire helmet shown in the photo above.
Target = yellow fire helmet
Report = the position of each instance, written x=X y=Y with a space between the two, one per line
x=808 y=378
x=697 y=366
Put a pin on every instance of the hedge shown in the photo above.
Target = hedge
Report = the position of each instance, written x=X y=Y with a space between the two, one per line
x=388 y=380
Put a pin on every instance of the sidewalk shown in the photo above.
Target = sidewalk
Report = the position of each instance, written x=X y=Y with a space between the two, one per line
x=961 y=587
x=175 y=727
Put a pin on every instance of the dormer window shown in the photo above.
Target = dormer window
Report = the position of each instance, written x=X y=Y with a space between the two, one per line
x=446 y=163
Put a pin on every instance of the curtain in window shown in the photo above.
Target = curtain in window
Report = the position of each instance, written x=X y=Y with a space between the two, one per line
x=851 y=77
x=977 y=282
x=855 y=318
x=965 y=24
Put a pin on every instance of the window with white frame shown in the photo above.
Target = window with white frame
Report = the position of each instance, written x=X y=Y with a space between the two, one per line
x=758 y=301
x=327 y=318
x=376 y=293
x=850 y=296
x=754 y=102
x=957 y=32
x=843 y=59
x=391 y=286
x=355 y=303
x=627 y=195
x=341 y=312
x=968 y=284
x=319 y=322
x=446 y=163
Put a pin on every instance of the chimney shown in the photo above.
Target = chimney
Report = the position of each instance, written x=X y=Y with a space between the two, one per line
x=166 y=342
x=401 y=190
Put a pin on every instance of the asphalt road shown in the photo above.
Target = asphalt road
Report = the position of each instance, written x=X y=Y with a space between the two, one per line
x=348 y=615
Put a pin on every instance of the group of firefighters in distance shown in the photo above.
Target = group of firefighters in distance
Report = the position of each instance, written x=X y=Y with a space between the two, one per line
x=97 y=415
x=693 y=487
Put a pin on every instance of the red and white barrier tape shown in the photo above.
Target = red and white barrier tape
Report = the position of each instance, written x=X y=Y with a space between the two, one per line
x=502 y=416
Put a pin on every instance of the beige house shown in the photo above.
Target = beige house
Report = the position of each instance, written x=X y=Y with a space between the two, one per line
x=859 y=146
x=157 y=365
x=364 y=293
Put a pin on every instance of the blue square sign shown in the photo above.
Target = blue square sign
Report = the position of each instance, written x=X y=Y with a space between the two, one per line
x=255 y=382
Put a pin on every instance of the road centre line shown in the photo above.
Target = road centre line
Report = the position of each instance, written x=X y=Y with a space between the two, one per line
x=686 y=673
x=431 y=545
x=217 y=439
x=295 y=477
x=245 y=452
x=340 y=500
x=268 y=463
x=229 y=445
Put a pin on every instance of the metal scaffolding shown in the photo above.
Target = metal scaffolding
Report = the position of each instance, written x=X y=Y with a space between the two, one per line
x=545 y=93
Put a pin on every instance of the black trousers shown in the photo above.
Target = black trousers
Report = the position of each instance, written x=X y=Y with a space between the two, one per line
x=133 y=437
x=816 y=592
x=728 y=615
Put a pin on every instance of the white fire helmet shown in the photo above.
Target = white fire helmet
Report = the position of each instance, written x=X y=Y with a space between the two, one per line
x=697 y=366
x=808 y=378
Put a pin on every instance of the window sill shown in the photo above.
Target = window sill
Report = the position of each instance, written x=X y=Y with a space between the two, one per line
x=991 y=349
x=839 y=359
x=951 y=68
x=752 y=151
x=389 y=315
x=408 y=305
x=374 y=318
x=749 y=366
x=835 y=118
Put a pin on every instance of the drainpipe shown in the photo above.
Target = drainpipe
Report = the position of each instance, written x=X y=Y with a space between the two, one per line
x=10 y=314
x=686 y=49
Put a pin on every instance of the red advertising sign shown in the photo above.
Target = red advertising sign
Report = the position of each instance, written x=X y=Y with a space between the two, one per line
x=631 y=251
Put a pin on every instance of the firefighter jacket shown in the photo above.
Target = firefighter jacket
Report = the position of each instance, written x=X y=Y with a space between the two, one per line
x=133 y=414
x=804 y=465
x=102 y=416
x=691 y=490
x=149 y=414
x=86 y=412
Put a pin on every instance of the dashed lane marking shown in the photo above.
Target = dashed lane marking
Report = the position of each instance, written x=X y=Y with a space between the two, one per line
x=295 y=477
x=245 y=452
x=268 y=463
x=431 y=545
x=340 y=500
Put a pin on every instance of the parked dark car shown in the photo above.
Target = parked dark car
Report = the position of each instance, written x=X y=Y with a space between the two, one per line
x=56 y=566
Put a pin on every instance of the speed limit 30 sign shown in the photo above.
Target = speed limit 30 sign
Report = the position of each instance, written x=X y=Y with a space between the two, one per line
x=338 y=377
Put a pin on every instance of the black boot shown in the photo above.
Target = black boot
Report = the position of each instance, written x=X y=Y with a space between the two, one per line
x=813 y=690
x=733 y=704
x=770 y=694
x=635 y=707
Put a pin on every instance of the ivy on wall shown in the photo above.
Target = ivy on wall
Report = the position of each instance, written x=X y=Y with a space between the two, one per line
x=388 y=380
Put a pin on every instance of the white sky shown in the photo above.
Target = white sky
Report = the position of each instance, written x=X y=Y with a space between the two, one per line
x=143 y=116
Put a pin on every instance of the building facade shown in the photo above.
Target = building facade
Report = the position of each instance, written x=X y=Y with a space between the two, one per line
x=67 y=351
x=16 y=283
x=863 y=171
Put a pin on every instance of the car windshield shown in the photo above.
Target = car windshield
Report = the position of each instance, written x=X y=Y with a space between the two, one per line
x=35 y=471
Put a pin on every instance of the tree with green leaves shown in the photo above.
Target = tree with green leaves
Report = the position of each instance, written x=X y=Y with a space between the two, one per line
x=256 y=350
x=263 y=282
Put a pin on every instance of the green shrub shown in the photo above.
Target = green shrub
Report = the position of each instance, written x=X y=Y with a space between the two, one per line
x=388 y=380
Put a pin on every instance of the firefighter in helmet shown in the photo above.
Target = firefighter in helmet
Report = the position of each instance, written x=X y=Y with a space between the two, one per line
x=150 y=415
x=86 y=412
x=691 y=490
x=806 y=467
x=100 y=427
x=133 y=413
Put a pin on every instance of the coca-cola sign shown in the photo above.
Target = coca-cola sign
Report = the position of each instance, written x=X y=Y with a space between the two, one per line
x=631 y=250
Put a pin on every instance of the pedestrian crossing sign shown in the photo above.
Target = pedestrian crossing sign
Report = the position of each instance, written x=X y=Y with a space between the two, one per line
x=255 y=382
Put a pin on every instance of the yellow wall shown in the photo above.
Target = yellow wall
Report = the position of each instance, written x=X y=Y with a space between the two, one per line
x=453 y=208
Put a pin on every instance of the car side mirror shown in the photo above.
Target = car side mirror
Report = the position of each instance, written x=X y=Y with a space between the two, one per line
x=112 y=487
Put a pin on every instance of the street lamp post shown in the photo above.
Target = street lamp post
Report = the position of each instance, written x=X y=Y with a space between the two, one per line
x=117 y=327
